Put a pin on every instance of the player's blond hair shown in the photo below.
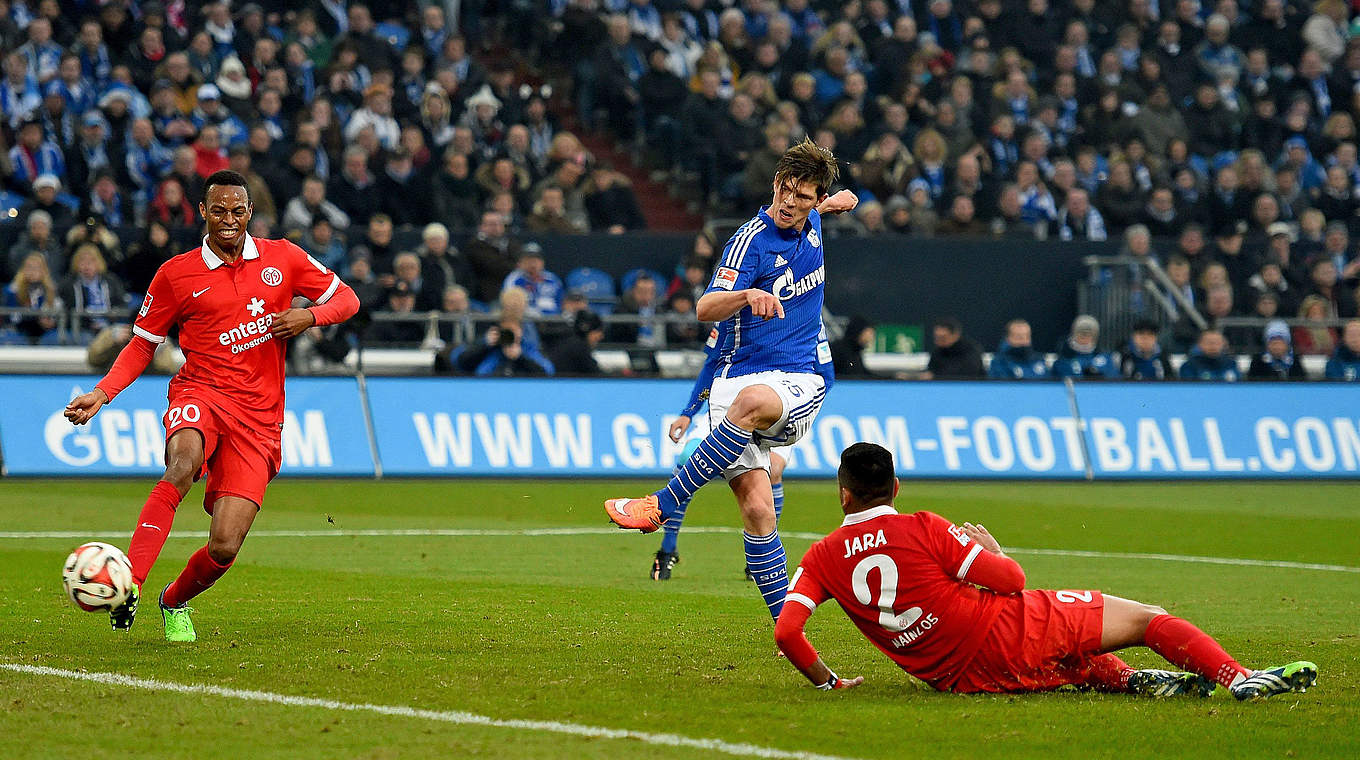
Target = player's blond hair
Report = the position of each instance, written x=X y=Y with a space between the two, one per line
x=807 y=162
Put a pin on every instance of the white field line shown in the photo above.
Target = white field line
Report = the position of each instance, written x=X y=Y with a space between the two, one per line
x=443 y=716
x=606 y=531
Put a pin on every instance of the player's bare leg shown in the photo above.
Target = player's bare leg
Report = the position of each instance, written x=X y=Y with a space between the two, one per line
x=765 y=557
x=1128 y=624
x=756 y=407
x=183 y=460
x=231 y=521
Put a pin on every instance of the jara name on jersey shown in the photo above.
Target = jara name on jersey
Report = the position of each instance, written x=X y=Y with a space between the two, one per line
x=867 y=541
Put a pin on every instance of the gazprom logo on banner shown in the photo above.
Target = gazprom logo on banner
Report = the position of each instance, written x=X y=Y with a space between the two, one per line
x=126 y=438
x=323 y=429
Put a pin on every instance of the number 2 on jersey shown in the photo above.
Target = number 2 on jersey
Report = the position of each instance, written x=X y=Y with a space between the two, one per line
x=887 y=591
x=1072 y=597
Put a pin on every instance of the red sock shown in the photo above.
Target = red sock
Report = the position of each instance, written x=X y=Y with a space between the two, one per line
x=153 y=527
x=1108 y=673
x=198 y=576
x=1186 y=646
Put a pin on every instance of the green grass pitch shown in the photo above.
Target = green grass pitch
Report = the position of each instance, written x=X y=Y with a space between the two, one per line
x=567 y=628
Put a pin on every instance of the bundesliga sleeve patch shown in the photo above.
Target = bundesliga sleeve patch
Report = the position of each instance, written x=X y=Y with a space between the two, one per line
x=725 y=278
x=146 y=306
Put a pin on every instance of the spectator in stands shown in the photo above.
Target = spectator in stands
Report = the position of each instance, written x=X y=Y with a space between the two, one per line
x=34 y=155
x=610 y=202
x=962 y=221
x=372 y=295
x=405 y=331
x=847 y=352
x=1277 y=362
x=32 y=288
x=955 y=356
x=1209 y=359
x=456 y=195
x=441 y=265
x=1080 y=356
x=1015 y=358
x=302 y=211
x=145 y=257
x=377 y=247
x=544 y=288
x=510 y=347
x=492 y=254
x=39 y=239
x=1315 y=339
x=549 y=214
x=91 y=293
x=354 y=189
x=406 y=269
x=642 y=301
x=45 y=191
x=573 y=355
x=1144 y=358
x=1270 y=279
x=322 y=243
x=1344 y=363
x=1338 y=294
x=1078 y=219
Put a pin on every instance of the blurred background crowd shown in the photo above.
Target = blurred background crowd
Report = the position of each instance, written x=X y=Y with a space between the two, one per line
x=422 y=149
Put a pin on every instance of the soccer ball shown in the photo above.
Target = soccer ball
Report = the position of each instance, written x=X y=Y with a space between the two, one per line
x=97 y=576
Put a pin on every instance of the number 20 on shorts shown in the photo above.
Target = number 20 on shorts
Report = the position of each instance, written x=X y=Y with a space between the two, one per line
x=185 y=413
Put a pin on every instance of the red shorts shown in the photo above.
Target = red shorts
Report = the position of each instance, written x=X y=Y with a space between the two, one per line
x=237 y=460
x=1041 y=640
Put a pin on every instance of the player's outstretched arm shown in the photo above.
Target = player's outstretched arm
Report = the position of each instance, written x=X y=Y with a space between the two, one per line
x=718 y=305
x=131 y=362
x=789 y=637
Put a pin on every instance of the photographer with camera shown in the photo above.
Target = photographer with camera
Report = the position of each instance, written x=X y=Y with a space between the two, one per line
x=509 y=348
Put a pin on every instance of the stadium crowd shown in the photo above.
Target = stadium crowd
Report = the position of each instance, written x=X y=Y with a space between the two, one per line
x=1218 y=139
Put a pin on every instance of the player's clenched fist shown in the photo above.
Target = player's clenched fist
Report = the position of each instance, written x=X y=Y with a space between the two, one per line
x=85 y=406
x=764 y=304
x=678 y=428
x=290 y=322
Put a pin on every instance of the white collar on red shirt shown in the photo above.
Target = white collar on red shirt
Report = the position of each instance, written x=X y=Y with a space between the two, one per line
x=869 y=514
x=211 y=260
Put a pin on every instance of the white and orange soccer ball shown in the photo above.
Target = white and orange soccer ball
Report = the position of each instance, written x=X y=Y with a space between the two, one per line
x=97 y=576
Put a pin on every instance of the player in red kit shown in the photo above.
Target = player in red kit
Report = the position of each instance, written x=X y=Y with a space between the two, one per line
x=945 y=604
x=231 y=299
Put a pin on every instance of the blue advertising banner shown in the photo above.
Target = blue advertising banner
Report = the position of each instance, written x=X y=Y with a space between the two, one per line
x=323 y=431
x=603 y=427
x=1254 y=430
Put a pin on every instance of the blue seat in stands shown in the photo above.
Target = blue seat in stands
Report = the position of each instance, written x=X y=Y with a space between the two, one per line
x=597 y=286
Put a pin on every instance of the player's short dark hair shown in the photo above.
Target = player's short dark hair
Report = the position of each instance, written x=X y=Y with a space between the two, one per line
x=807 y=162
x=226 y=178
x=866 y=471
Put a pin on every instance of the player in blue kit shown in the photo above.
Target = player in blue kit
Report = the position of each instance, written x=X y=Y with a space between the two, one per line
x=766 y=391
x=667 y=557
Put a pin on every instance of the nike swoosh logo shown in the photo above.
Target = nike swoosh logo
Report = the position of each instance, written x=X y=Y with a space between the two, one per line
x=149 y=525
x=201 y=292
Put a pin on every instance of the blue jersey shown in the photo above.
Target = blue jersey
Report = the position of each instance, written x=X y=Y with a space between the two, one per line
x=713 y=352
x=789 y=264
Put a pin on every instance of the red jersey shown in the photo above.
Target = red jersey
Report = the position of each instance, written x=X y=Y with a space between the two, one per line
x=224 y=312
x=899 y=579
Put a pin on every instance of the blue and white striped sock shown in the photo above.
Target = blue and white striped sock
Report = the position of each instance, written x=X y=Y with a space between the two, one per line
x=718 y=451
x=778 y=490
x=765 y=557
x=671 y=528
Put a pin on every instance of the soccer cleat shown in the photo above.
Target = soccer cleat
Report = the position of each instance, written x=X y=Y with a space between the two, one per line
x=750 y=576
x=178 y=626
x=635 y=514
x=1168 y=683
x=122 y=615
x=663 y=564
x=1296 y=676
